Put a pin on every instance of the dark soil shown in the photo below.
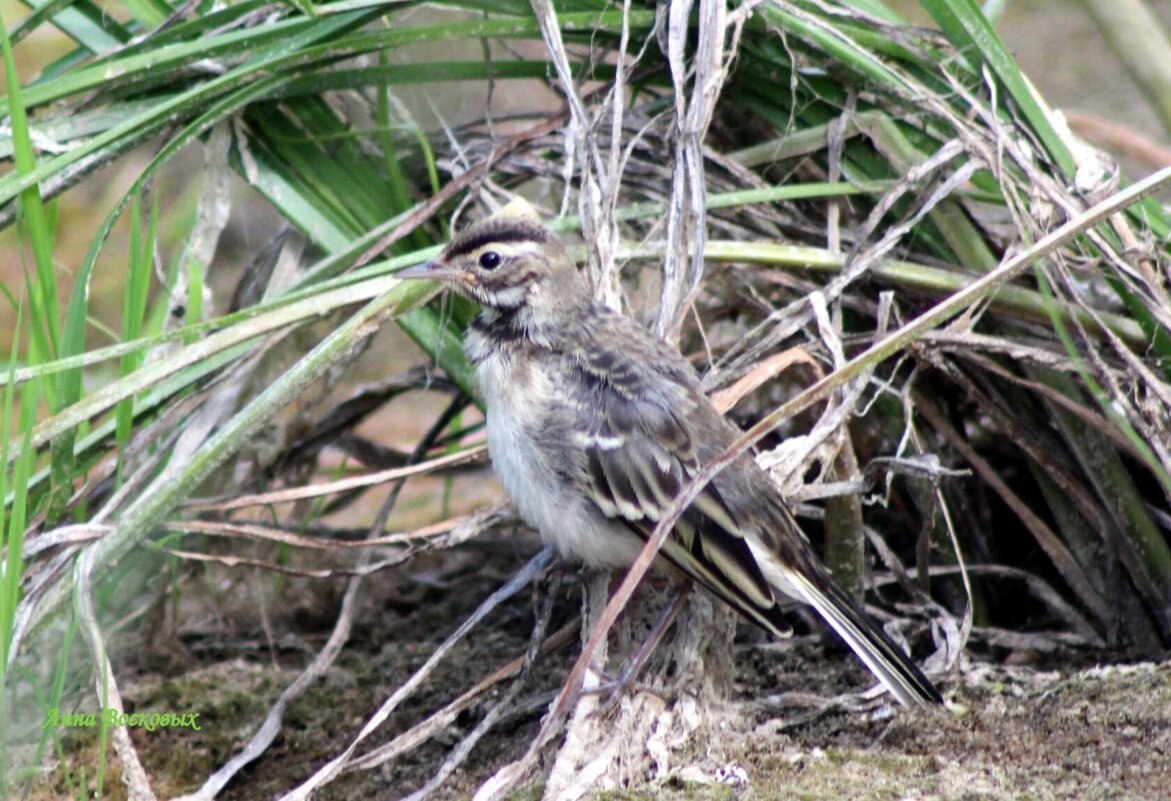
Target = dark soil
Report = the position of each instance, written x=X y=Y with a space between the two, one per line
x=1014 y=732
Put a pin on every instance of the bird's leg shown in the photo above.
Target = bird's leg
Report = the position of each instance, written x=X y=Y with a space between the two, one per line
x=619 y=686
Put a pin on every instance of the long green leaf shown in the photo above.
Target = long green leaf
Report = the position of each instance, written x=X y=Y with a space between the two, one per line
x=158 y=499
x=43 y=311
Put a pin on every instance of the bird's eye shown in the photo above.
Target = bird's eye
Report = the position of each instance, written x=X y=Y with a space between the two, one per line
x=490 y=260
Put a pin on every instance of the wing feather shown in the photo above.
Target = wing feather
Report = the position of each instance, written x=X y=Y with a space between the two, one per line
x=639 y=454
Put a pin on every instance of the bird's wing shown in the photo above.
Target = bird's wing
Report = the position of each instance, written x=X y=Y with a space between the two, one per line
x=639 y=452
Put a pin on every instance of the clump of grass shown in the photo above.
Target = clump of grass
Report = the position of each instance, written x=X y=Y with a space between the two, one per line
x=840 y=172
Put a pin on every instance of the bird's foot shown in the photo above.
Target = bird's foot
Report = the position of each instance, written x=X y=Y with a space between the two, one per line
x=622 y=684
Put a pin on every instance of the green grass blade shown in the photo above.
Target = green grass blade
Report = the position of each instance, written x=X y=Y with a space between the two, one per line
x=159 y=498
x=10 y=581
x=134 y=300
x=17 y=518
x=85 y=23
x=43 y=311
x=965 y=25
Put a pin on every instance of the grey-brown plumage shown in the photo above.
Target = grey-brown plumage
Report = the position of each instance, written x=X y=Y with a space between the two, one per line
x=594 y=425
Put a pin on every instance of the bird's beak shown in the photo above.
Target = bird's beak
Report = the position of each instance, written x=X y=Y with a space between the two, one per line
x=432 y=270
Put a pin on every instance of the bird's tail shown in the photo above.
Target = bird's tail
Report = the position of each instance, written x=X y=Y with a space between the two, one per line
x=886 y=660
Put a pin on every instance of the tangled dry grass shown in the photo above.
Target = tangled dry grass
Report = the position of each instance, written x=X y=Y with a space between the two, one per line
x=940 y=318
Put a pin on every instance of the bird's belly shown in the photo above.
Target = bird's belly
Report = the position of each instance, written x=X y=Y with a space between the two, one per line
x=527 y=472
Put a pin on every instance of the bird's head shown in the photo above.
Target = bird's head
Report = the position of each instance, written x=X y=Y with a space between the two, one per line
x=509 y=262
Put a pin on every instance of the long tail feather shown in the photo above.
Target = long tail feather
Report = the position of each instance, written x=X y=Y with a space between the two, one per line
x=886 y=660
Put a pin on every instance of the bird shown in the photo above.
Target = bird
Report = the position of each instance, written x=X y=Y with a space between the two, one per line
x=595 y=424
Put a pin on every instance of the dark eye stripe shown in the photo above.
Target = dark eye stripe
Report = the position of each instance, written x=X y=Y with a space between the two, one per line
x=498 y=281
x=475 y=239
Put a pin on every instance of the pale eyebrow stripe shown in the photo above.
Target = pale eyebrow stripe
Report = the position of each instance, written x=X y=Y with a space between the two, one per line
x=518 y=249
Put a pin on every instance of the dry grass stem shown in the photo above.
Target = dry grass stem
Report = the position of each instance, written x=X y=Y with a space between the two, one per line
x=335 y=766
x=270 y=534
x=468 y=456
x=764 y=371
x=133 y=774
x=442 y=718
x=460 y=752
